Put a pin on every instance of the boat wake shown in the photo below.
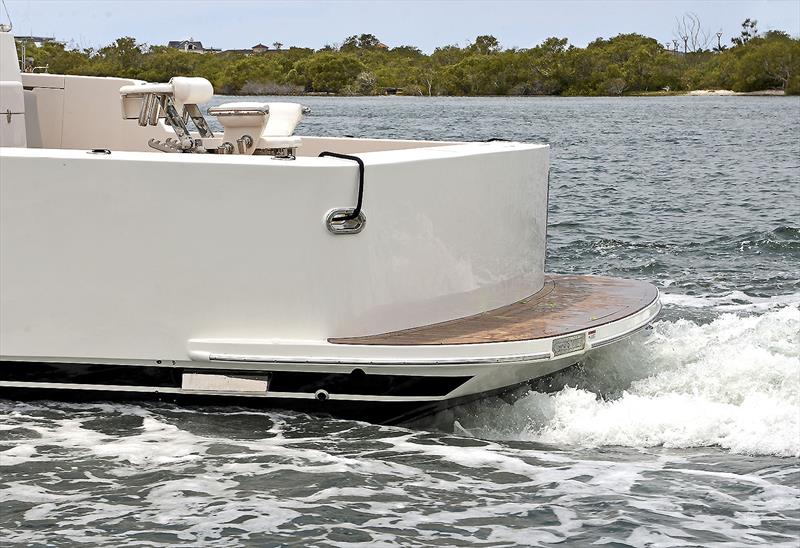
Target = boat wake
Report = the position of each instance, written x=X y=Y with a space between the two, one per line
x=733 y=383
x=162 y=475
x=733 y=301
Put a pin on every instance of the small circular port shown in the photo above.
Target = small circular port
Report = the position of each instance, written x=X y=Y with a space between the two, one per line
x=321 y=395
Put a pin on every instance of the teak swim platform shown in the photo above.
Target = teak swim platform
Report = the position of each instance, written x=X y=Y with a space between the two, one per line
x=153 y=246
x=566 y=304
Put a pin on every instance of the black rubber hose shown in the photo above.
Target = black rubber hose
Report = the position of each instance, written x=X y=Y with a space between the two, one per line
x=357 y=211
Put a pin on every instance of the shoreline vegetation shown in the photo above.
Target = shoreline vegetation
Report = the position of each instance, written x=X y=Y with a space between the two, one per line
x=625 y=65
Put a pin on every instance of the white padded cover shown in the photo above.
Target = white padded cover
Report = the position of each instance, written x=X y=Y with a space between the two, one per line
x=277 y=133
x=246 y=116
x=191 y=90
x=283 y=118
x=185 y=90
x=240 y=105
x=144 y=87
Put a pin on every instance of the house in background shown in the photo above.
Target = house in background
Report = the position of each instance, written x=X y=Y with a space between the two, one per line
x=195 y=46
x=37 y=41
x=190 y=45
x=258 y=49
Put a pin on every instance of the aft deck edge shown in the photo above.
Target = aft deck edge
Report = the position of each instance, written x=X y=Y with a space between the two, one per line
x=566 y=304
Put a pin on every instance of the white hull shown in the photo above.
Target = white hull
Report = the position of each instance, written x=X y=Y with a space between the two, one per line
x=217 y=273
x=385 y=383
x=169 y=247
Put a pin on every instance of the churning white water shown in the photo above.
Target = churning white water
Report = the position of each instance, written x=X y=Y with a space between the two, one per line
x=733 y=382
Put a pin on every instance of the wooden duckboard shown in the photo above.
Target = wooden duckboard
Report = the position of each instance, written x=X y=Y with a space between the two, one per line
x=564 y=305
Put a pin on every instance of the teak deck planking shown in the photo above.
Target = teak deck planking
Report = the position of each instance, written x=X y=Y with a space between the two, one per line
x=565 y=304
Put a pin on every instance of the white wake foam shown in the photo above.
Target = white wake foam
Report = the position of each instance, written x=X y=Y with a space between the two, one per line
x=734 y=301
x=732 y=383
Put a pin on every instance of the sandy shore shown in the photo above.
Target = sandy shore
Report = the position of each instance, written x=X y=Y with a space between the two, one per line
x=721 y=92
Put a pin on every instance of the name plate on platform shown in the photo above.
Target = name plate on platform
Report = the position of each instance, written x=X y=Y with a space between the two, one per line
x=568 y=344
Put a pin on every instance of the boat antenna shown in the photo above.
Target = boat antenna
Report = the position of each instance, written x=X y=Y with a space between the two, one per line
x=10 y=25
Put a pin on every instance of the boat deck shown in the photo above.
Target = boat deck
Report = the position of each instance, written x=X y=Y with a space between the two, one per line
x=564 y=305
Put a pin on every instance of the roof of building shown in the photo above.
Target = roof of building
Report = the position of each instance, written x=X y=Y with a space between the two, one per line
x=183 y=43
x=35 y=38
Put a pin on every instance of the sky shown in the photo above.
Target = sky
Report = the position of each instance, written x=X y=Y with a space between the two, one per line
x=235 y=24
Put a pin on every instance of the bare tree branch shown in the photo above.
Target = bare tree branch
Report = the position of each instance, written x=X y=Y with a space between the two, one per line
x=691 y=33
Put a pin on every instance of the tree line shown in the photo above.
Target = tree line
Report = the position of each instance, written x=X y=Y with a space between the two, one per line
x=361 y=65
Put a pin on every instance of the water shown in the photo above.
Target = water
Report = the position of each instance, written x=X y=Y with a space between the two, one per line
x=686 y=436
